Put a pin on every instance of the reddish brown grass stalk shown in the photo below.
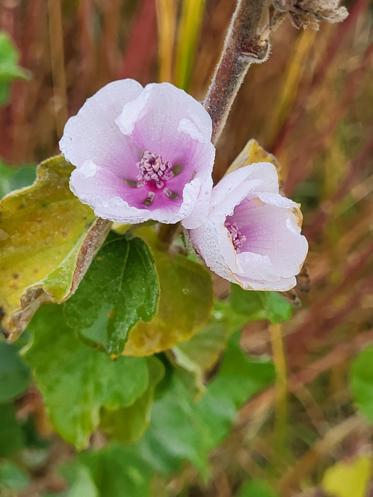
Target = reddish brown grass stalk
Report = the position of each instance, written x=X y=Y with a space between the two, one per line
x=326 y=63
x=142 y=45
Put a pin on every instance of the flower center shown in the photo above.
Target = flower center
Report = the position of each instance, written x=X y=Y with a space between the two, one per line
x=238 y=238
x=154 y=170
x=153 y=175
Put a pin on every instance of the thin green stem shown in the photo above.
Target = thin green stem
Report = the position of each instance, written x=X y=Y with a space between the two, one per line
x=281 y=388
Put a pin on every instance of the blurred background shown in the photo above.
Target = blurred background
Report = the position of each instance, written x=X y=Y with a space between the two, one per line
x=311 y=105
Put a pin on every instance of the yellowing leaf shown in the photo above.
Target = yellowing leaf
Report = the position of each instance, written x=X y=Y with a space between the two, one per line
x=47 y=241
x=347 y=479
x=199 y=354
x=184 y=306
x=251 y=153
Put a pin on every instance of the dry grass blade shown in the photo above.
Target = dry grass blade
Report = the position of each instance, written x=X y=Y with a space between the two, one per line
x=166 y=17
x=58 y=63
x=187 y=40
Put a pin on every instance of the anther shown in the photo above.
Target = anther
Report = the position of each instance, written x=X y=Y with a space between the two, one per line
x=149 y=199
x=238 y=238
x=170 y=194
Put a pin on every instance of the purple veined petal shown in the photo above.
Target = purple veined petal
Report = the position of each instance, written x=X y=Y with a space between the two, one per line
x=201 y=208
x=157 y=113
x=170 y=123
x=212 y=242
x=281 y=285
x=258 y=177
x=92 y=133
x=252 y=234
x=99 y=188
x=141 y=154
x=271 y=230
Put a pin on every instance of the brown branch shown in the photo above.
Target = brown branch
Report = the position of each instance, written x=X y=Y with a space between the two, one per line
x=141 y=47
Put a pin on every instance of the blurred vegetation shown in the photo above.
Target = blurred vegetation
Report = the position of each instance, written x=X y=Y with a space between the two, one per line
x=308 y=434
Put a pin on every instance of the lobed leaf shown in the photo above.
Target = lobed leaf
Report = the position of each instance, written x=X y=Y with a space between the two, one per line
x=77 y=381
x=47 y=241
x=128 y=424
x=184 y=306
x=82 y=483
x=12 y=178
x=9 y=68
x=260 y=305
x=183 y=428
x=118 y=471
x=14 y=374
x=120 y=289
x=203 y=350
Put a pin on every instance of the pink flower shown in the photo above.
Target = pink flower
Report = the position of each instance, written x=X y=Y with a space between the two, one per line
x=251 y=235
x=141 y=154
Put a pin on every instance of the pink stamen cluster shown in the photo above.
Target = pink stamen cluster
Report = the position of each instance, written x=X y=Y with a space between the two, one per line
x=154 y=172
x=238 y=238
x=153 y=169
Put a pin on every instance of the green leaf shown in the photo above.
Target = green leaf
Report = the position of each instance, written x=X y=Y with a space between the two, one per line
x=361 y=381
x=118 y=472
x=12 y=477
x=203 y=350
x=185 y=428
x=128 y=424
x=226 y=395
x=11 y=436
x=82 y=484
x=347 y=479
x=77 y=381
x=277 y=308
x=184 y=305
x=47 y=241
x=120 y=289
x=256 y=488
x=14 y=374
x=12 y=178
x=9 y=68
x=260 y=305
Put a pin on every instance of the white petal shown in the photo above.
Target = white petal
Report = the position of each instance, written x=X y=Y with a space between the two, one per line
x=100 y=189
x=93 y=135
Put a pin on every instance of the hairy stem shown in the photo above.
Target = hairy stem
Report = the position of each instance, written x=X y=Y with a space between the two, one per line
x=246 y=43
